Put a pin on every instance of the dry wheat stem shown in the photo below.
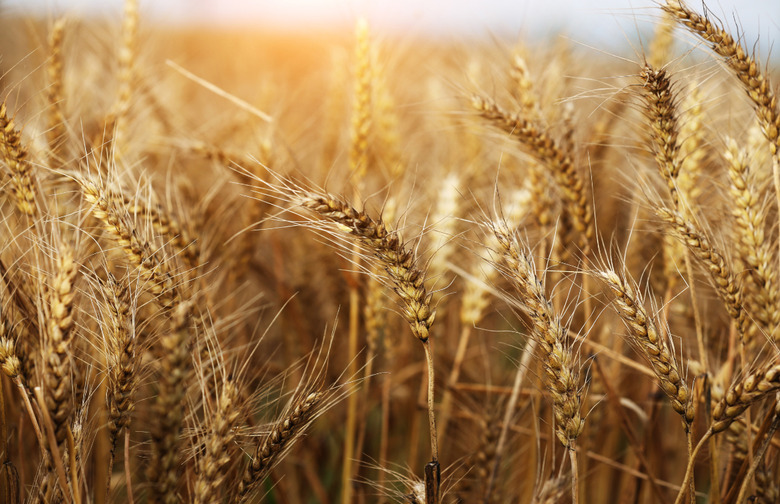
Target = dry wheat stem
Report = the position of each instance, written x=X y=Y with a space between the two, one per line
x=758 y=457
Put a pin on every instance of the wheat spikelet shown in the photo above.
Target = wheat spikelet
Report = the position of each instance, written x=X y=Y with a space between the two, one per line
x=167 y=226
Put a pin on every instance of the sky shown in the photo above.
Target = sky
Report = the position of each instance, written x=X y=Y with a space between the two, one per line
x=587 y=21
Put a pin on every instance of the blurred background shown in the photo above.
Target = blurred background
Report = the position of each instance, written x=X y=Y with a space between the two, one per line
x=585 y=21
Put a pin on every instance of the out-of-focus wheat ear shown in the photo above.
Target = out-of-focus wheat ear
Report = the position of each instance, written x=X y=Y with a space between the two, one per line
x=58 y=370
x=14 y=153
x=754 y=249
x=444 y=220
x=552 y=490
x=476 y=484
x=662 y=45
x=695 y=239
x=561 y=374
x=385 y=118
x=524 y=87
x=360 y=124
x=661 y=111
x=10 y=362
x=56 y=132
x=652 y=344
x=545 y=149
x=283 y=435
x=211 y=466
x=127 y=71
x=751 y=388
x=168 y=227
x=692 y=145
x=169 y=408
x=157 y=279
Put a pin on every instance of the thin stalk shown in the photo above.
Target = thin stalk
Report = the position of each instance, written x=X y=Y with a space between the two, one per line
x=352 y=401
x=445 y=408
x=758 y=458
x=129 y=482
x=431 y=404
x=689 y=470
x=522 y=368
x=575 y=477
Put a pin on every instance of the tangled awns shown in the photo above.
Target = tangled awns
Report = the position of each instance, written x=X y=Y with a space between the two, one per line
x=352 y=267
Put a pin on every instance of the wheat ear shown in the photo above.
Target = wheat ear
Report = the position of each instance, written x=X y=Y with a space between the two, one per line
x=138 y=252
x=660 y=109
x=58 y=371
x=14 y=154
x=56 y=132
x=546 y=150
x=408 y=281
x=645 y=335
x=281 y=437
x=754 y=248
x=561 y=374
x=211 y=467
x=721 y=275
x=166 y=456
x=750 y=389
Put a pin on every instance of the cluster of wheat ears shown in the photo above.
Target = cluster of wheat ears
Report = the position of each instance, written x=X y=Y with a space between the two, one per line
x=538 y=274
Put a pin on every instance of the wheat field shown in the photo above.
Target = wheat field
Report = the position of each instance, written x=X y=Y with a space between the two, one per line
x=347 y=267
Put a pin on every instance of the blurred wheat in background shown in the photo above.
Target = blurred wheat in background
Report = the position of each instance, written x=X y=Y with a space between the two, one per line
x=352 y=267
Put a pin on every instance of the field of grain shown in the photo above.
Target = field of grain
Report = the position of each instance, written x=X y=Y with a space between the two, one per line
x=348 y=267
